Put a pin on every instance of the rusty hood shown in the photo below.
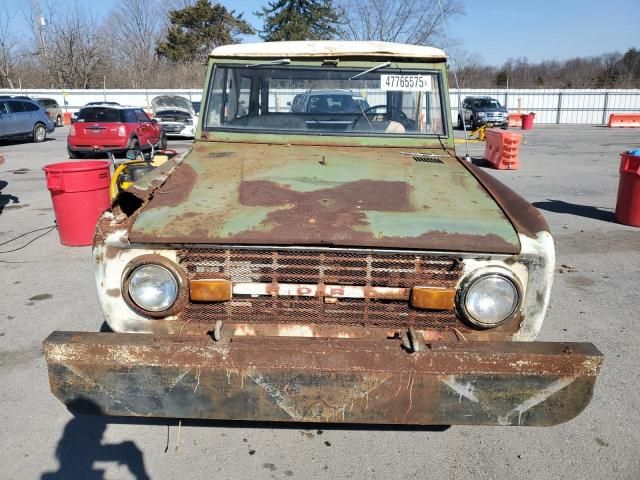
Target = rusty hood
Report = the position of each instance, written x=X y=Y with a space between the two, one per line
x=238 y=193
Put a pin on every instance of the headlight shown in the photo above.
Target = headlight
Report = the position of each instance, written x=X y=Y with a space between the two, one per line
x=153 y=288
x=481 y=114
x=489 y=297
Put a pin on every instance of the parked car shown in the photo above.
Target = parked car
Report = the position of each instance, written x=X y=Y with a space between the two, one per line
x=357 y=274
x=329 y=101
x=478 y=111
x=175 y=114
x=23 y=117
x=108 y=128
x=53 y=110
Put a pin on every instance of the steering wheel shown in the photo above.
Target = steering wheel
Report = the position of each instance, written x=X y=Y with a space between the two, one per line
x=383 y=116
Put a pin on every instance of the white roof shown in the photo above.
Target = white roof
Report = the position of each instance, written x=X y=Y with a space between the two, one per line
x=327 y=48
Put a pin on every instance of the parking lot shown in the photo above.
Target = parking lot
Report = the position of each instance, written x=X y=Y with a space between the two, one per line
x=570 y=173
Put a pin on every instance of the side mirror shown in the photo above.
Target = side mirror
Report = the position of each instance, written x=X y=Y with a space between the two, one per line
x=288 y=104
x=154 y=120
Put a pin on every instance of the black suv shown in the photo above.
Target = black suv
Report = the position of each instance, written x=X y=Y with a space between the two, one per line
x=478 y=111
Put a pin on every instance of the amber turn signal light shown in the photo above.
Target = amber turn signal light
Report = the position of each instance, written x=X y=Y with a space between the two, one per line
x=216 y=290
x=432 y=298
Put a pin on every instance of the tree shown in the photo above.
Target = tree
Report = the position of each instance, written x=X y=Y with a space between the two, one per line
x=196 y=29
x=8 y=44
x=299 y=20
x=135 y=30
x=419 y=22
x=76 y=54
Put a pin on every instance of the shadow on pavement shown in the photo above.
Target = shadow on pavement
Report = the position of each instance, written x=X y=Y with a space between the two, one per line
x=6 y=199
x=587 y=211
x=81 y=445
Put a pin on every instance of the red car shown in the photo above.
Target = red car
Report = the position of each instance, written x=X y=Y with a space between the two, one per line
x=108 y=128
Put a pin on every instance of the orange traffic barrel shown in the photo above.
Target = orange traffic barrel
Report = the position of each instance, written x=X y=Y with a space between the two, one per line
x=67 y=118
x=628 y=204
x=80 y=193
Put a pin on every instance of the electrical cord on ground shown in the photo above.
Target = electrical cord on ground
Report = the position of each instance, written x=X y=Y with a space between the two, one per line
x=48 y=229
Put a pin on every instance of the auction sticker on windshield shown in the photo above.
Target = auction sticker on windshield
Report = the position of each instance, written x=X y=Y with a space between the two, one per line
x=406 y=83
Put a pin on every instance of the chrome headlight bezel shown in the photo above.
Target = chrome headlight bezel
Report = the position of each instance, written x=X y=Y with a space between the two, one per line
x=486 y=272
x=156 y=261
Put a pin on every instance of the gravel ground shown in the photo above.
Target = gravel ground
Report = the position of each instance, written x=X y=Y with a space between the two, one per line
x=569 y=173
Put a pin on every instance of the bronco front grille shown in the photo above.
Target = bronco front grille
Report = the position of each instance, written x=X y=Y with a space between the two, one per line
x=321 y=267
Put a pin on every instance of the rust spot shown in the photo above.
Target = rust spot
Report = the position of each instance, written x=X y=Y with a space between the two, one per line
x=114 y=292
x=326 y=214
x=377 y=195
x=177 y=187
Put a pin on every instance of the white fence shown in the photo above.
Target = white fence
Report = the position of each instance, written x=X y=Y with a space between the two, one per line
x=550 y=106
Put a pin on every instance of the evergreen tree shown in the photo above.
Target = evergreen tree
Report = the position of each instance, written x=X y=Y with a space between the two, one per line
x=299 y=20
x=196 y=29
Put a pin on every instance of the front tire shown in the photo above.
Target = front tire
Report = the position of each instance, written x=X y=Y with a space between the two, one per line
x=460 y=124
x=39 y=133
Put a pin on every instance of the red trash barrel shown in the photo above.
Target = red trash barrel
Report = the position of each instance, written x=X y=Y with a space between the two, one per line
x=80 y=193
x=527 y=121
x=628 y=204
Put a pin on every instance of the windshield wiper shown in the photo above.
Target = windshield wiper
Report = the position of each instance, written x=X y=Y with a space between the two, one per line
x=281 y=61
x=372 y=69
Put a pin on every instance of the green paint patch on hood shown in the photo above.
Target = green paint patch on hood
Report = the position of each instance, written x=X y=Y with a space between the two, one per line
x=238 y=193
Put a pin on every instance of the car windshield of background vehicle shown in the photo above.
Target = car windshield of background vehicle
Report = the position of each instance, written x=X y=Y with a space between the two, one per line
x=325 y=101
x=488 y=104
x=99 y=114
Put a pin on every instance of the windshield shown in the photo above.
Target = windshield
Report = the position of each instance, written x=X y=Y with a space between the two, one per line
x=487 y=103
x=325 y=101
x=100 y=114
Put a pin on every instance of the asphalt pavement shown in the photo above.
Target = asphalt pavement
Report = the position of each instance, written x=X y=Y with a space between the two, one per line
x=570 y=173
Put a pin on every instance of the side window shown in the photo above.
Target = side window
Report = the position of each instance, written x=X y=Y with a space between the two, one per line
x=141 y=116
x=245 y=97
x=130 y=116
x=15 y=106
x=30 y=107
x=3 y=108
x=238 y=96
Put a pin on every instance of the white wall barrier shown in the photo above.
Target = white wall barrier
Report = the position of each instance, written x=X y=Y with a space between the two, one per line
x=588 y=107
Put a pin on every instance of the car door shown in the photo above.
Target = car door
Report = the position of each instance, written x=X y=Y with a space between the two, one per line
x=466 y=109
x=7 y=121
x=147 y=131
x=22 y=124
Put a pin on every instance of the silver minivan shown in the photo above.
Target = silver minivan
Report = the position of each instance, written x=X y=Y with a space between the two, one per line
x=24 y=118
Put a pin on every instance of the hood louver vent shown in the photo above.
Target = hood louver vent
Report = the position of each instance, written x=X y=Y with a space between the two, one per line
x=426 y=159
x=220 y=154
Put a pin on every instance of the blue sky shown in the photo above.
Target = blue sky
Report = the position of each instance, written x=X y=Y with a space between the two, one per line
x=496 y=30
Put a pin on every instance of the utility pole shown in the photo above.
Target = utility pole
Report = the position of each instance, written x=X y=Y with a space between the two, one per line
x=42 y=22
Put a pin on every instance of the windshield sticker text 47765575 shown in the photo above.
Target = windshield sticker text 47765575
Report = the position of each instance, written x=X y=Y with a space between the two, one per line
x=407 y=83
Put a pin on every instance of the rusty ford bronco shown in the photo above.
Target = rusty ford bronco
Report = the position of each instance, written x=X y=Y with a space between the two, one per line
x=336 y=263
